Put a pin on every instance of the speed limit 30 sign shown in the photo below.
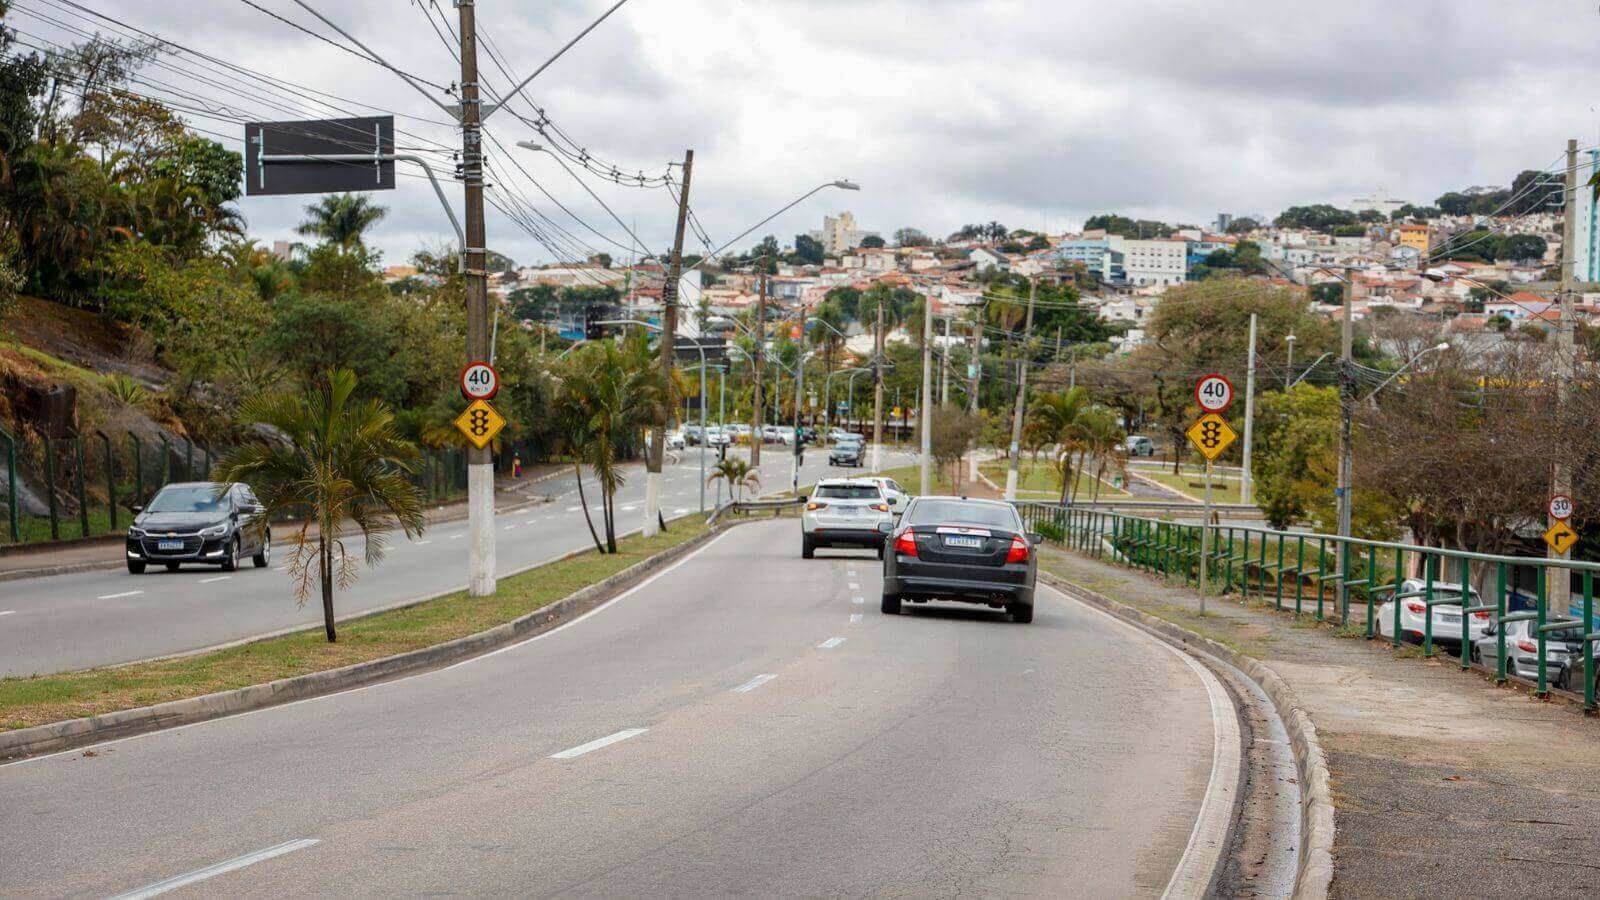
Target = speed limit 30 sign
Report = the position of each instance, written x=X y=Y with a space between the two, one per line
x=1560 y=507
x=1214 y=393
x=479 y=381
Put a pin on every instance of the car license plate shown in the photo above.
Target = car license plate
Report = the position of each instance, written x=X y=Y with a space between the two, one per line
x=951 y=540
x=1450 y=620
x=169 y=545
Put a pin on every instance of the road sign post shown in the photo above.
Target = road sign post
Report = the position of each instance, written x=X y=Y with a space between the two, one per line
x=1211 y=435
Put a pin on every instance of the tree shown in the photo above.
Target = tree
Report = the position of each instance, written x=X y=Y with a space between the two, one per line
x=911 y=237
x=341 y=459
x=808 y=250
x=1520 y=247
x=22 y=83
x=872 y=242
x=1243 y=225
x=1317 y=217
x=737 y=475
x=1112 y=223
x=535 y=303
x=1296 y=455
x=1328 y=293
x=1057 y=416
x=341 y=220
x=1038 y=242
x=955 y=431
x=1454 y=203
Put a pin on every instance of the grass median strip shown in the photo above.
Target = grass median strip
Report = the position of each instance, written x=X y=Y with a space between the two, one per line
x=41 y=699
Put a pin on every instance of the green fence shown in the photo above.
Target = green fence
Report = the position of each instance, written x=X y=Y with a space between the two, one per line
x=1306 y=572
x=88 y=484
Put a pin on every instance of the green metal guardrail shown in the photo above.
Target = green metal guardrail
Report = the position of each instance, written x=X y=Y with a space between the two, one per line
x=1273 y=557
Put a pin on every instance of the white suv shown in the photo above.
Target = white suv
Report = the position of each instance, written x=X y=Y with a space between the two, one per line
x=844 y=512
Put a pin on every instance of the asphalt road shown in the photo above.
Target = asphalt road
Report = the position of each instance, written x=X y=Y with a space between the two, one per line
x=737 y=725
x=75 y=621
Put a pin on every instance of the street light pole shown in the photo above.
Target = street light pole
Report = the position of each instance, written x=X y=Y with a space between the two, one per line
x=925 y=403
x=1022 y=393
x=669 y=343
x=480 y=463
x=1246 y=484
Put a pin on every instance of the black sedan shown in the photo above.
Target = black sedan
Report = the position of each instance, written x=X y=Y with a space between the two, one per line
x=953 y=548
x=199 y=522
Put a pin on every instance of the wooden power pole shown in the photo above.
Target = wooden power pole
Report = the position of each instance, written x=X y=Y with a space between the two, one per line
x=653 y=520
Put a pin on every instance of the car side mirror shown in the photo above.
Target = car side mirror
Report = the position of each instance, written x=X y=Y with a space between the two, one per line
x=802 y=498
x=136 y=508
x=1035 y=537
x=1488 y=629
x=884 y=528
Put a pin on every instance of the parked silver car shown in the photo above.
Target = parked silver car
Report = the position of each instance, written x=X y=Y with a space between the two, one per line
x=844 y=513
x=1563 y=650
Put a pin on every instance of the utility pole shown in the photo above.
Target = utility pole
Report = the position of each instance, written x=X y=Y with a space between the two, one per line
x=974 y=373
x=480 y=463
x=944 y=365
x=1246 y=485
x=669 y=344
x=1559 y=584
x=1022 y=393
x=924 y=411
x=799 y=385
x=761 y=347
x=1347 y=403
x=877 y=391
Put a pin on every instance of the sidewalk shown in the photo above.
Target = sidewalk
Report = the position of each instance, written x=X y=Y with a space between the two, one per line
x=1444 y=784
x=105 y=551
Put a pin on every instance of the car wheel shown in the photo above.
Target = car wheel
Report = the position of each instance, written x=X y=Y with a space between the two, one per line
x=230 y=562
x=880 y=551
x=135 y=567
x=1021 y=613
x=264 y=558
x=891 y=604
x=808 y=550
x=1474 y=656
x=172 y=567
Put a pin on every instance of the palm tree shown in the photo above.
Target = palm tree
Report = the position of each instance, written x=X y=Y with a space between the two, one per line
x=342 y=458
x=341 y=219
x=1101 y=435
x=1057 y=415
x=737 y=474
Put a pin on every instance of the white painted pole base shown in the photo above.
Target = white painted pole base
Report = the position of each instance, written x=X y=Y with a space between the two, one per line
x=877 y=450
x=1011 y=484
x=972 y=466
x=480 y=528
x=652 y=504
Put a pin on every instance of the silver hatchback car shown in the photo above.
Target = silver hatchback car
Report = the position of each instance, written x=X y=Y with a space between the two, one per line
x=844 y=513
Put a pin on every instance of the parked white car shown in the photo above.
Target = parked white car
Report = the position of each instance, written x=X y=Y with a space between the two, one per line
x=892 y=491
x=844 y=512
x=675 y=440
x=716 y=437
x=1446 y=619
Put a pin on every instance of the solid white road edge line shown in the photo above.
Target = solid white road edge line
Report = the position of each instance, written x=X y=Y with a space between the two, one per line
x=855 y=618
x=858 y=599
x=115 y=596
x=830 y=643
x=6 y=612
x=1207 y=842
x=214 y=578
x=221 y=868
x=593 y=745
x=537 y=637
x=753 y=683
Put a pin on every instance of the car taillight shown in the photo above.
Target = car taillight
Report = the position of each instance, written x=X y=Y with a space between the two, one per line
x=815 y=505
x=1018 y=552
x=1527 y=646
x=1481 y=614
x=1416 y=607
x=906 y=543
x=881 y=507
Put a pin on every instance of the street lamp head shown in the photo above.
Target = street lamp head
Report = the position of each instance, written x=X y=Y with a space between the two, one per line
x=1290 y=338
x=844 y=185
x=1434 y=275
x=1441 y=348
x=530 y=145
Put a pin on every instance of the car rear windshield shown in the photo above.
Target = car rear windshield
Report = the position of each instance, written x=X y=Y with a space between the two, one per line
x=848 y=491
x=200 y=498
x=962 y=512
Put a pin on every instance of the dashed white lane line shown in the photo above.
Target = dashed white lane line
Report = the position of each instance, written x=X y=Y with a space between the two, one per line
x=630 y=508
x=753 y=683
x=457 y=537
x=7 y=612
x=855 y=585
x=217 y=578
x=116 y=596
x=420 y=543
x=574 y=509
x=858 y=599
x=855 y=618
x=530 y=521
x=606 y=741
x=221 y=868
x=508 y=527
x=830 y=643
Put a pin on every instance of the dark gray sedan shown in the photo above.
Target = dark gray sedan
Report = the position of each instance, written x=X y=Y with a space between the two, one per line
x=969 y=551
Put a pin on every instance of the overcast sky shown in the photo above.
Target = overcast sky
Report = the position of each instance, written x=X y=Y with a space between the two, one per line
x=1036 y=113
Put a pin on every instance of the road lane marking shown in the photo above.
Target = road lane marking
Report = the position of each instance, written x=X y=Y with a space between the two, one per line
x=753 y=683
x=593 y=745
x=457 y=537
x=420 y=543
x=508 y=527
x=830 y=643
x=7 y=612
x=221 y=868
x=217 y=578
x=530 y=521
x=855 y=618
x=116 y=596
x=858 y=599
x=855 y=585
x=630 y=508
x=574 y=509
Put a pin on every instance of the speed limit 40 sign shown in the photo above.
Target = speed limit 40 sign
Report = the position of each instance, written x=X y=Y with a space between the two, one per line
x=1213 y=393
x=479 y=381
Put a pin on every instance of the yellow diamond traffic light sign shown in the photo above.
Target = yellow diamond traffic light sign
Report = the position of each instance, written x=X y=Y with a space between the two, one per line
x=480 y=423
x=1211 y=435
x=1560 y=537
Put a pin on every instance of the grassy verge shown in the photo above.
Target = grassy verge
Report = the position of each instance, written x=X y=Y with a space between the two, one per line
x=910 y=478
x=1194 y=485
x=42 y=699
x=1041 y=479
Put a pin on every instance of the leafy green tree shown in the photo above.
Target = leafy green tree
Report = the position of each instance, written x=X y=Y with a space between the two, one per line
x=534 y=303
x=1296 y=459
x=1317 y=217
x=341 y=220
x=1520 y=247
x=22 y=82
x=1454 y=203
x=1113 y=223
x=807 y=250
x=1328 y=293
x=314 y=331
x=1243 y=225
x=1057 y=416
x=872 y=242
x=911 y=237
x=339 y=457
x=737 y=475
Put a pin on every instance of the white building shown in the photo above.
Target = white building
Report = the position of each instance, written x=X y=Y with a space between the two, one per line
x=839 y=233
x=1158 y=262
x=1586 y=230
x=1380 y=202
x=986 y=258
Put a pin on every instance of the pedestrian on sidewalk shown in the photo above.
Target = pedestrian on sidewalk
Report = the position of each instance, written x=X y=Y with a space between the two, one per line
x=516 y=464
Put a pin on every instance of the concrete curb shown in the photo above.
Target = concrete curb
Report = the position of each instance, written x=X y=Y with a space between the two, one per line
x=74 y=733
x=1315 y=872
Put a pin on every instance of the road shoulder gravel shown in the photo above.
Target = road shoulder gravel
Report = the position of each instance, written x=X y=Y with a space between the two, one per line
x=1440 y=781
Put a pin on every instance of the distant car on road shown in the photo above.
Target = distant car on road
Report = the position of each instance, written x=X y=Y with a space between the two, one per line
x=1139 y=445
x=1563 y=650
x=953 y=548
x=675 y=440
x=846 y=455
x=843 y=513
x=199 y=522
x=716 y=437
x=892 y=491
x=1446 y=619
